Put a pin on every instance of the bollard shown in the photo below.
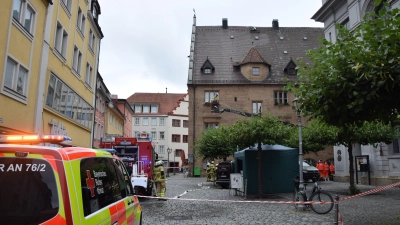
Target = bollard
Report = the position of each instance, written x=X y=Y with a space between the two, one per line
x=336 y=214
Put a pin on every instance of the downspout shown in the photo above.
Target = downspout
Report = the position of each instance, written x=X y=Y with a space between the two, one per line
x=94 y=114
x=194 y=126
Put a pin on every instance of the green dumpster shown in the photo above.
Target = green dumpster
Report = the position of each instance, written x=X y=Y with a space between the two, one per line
x=196 y=171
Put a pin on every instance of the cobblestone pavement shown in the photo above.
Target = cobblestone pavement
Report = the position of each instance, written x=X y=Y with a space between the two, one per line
x=379 y=208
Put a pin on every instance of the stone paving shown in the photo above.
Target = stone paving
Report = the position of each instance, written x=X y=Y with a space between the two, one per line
x=378 y=208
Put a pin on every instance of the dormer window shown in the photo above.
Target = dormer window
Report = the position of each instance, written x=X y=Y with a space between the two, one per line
x=256 y=70
x=207 y=67
x=95 y=10
x=290 y=68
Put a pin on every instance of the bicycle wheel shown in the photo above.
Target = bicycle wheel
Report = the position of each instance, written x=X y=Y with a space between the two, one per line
x=296 y=197
x=321 y=196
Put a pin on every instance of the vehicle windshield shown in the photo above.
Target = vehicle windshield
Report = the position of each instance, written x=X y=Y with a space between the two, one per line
x=305 y=164
x=28 y=191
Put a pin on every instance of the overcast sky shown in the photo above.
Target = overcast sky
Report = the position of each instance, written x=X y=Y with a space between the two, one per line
x=146 y=43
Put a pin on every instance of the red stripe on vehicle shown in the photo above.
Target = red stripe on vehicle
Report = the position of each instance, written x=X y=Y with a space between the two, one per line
x=55 y=220
x=80 y=155
x=114 y=213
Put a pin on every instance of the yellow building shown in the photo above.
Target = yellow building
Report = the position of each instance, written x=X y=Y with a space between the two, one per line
x=48 y=63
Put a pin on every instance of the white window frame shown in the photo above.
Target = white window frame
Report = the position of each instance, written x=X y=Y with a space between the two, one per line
x=161 y=149
x=25 y=26
x=146 y=109
x=81 y=22
x=207 y=71
x=162 y=121
x=138 y=108
x=154 y=121
x=89 y=75
x=209 y=95
x=256 y=71
x=145 y=121
x=154 y=108
x=12 y=75
x=281 y=98
x=67 y=5
x=77 y=61
x=61 y=41
x=257 y=106
x=137 y=121
x=162 y=135
x=92 y=40
x=154 y=135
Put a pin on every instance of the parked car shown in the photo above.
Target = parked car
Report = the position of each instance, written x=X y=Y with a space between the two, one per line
x=310 y=173
x=224 y=169
x=63 y=185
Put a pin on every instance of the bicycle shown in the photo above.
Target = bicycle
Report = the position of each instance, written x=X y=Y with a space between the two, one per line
x=316 y=196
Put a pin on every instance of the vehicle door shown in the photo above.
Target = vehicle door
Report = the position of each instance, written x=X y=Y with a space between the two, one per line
x=100 y=191
x=128 y=209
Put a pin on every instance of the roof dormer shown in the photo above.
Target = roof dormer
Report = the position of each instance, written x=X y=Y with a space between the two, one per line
x=207 y=67
x=290 y=68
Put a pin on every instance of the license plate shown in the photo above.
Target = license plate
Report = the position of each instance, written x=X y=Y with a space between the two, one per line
x=223 y=176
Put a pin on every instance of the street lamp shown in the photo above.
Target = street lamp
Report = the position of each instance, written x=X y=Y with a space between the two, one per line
x=169 y=150
x=174 y=161
x=301 y=182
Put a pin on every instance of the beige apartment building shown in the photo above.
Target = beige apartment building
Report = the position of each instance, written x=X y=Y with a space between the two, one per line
x=49 y=67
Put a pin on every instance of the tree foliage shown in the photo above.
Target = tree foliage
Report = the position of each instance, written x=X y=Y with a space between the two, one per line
x=215 y=143
x=357 y=78
x=354 y=83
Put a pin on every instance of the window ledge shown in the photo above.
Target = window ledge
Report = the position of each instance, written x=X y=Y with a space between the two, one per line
x=88 y=86
x=14 y=95
x=22 y=29
x=75 y=73
x=80 y=33
x=59 y=55
x=65 y=9
x=91 y=50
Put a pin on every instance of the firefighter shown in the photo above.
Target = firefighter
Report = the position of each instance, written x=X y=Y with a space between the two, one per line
x=159 y=179
x=332 y=170
x=208 y=172
x=320 y=167
x=212 y=171
x=326 y=171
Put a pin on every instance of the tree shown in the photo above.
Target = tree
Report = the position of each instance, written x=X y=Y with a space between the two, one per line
x=267 y=129
x=355 y=80
x=316 y=136
x=215 y=143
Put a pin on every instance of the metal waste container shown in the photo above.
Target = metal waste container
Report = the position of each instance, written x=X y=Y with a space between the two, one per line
x=196 y=171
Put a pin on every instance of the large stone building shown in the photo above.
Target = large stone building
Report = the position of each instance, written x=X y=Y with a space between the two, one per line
x=164 y=116
x=246 y=67
x=383 y=160
x=49 y=67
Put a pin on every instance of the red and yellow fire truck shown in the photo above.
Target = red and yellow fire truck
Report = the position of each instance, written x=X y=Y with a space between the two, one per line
x=138 y=156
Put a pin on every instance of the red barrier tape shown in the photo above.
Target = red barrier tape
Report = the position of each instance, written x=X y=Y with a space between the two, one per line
x=372 y=191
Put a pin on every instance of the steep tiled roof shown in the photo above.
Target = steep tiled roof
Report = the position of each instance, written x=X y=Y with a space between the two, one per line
x=253 y=57
x=276 y=47
x=167 y=101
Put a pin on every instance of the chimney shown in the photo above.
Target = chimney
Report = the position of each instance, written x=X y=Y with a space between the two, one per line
x=225 y=23
x=114 y=96
x=275 y=24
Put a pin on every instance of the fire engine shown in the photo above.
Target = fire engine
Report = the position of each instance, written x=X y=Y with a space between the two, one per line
x=139 y=158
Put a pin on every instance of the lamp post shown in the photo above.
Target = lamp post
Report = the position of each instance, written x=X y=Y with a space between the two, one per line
x=301 y=182
x=169 y=150
x=174 y=161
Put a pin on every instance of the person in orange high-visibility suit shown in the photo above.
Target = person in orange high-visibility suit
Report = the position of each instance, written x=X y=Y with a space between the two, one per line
x=320 y=167
x=332 y=169
x=326 y=171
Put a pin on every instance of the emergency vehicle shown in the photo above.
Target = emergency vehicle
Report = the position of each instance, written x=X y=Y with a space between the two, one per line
x=138 y=156
x=49 y=185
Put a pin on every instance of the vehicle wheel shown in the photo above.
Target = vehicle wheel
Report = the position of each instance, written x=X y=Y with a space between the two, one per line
x=324 y=197
x=296 y=197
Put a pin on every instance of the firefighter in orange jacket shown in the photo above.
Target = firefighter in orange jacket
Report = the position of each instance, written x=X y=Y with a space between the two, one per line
x=332 y=169
x=326 y=171
x=320 y=167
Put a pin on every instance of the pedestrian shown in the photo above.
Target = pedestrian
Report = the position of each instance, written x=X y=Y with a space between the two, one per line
x=326 y=171
x=159 y=179
x=320 y=167
x=332 y=170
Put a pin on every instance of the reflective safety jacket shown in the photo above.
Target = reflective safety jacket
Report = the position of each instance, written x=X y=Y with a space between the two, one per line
x=159 y=175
